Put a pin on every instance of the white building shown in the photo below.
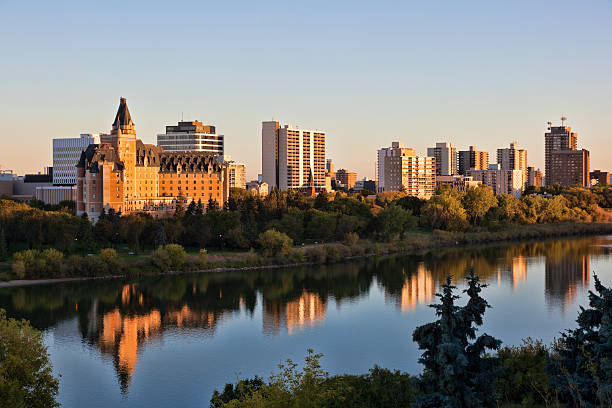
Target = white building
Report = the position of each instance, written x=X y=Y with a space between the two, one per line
x=290 y=155
x=446 y=158
x=191 y=137
x=66 y=154
x=236 y=172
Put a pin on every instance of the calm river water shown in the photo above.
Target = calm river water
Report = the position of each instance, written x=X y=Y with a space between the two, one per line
x=170 y=341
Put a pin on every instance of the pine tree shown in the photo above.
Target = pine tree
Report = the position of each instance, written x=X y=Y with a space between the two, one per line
x=456 y=374
x=3 y=246
x=179 y=211
x=191 y=208
x=212 y=205
x=582 y=373
x=102 y=214
x=321 y=200
x=199 y=208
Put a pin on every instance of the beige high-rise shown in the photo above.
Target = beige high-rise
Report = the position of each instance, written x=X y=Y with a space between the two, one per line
x=416 y=175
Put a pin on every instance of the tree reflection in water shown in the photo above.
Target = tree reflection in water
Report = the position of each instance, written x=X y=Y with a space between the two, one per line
x=118 y=316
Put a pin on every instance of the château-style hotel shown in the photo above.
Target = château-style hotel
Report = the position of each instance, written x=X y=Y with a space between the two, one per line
x=126 y=175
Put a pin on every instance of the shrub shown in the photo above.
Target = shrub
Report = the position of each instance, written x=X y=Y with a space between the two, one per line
x=161 y=259
x=316 y=254
x=111 y=259
x=19 y=269
x=177 y=255
x=274 y=243
x=252 y=258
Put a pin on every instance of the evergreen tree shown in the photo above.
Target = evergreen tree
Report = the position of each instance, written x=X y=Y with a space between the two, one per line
x=582 y=372
x=212 y=205
x=102 y=214
x=179 y=211
x=321 y=200
x=199 y=207
x=160 y=235
x=456 y=374
x=3 y=246
x=191 y=208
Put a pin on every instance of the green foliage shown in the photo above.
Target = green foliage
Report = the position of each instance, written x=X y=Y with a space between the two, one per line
x=111 y=259
x=393 y=221
x=351 y=239
x=203 y=257
x=26 y=378
x=274 y=243
x=445 y=211
x=457 y=371
x=582 y=372
x=477 y=201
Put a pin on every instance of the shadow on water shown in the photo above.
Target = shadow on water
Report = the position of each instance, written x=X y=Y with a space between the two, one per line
x=116 y=317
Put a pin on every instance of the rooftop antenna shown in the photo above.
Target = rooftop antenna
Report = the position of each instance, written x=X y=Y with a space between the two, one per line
x=563 y=119
x=549 y=123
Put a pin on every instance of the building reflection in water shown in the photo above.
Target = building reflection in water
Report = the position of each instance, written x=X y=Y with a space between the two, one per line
x=305 y=311
x=121 y=333
x=419 y=288
x=514 y=272
x=564 y=278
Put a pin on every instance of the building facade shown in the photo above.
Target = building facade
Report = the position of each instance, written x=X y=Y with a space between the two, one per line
x=570 y=168
x=396 y=149
x=457 y=182
x=416 y=175
x=66 y=155
x=126 y=175
x=346 y=179
x=446 y=158
x=191 y=137
x=236 y=172
x=259 y=188
x=557 y=138
x=599 y=177
x=501 y=181
x=534 y=177
x=472 y=159
x=512 y=158
x=291 y=156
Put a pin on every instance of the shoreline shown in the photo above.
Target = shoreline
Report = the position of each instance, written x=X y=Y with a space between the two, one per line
x=436 y=240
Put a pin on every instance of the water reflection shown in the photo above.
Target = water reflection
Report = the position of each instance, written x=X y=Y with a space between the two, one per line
x=118 y=317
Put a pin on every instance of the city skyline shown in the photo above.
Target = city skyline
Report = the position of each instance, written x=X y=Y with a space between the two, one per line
x=469 y=75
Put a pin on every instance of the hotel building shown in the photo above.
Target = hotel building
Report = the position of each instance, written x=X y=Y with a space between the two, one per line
x=191 y=137
x=129 y=176
x=292 y=157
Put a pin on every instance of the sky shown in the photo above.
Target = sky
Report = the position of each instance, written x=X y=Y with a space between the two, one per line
x=366 y=72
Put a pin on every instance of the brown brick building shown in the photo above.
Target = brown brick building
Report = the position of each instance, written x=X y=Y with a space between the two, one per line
x=128 y=176
x=570 y=168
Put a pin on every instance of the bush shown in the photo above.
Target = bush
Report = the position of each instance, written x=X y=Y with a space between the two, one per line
x=19 y=269
x=111 y=259
x=26 y=378
x=252 y=258
x=316 y=254
x=274 y=243
x=161 y=259
x=177 y=255
x=351 y=239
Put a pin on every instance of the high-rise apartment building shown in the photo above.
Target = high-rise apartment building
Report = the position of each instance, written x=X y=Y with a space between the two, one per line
x=66 y=155
x=396 y=149
x=570 y=168
x=512 y=158
x=126 y=175
x=346 y=178
x=191 y=137
x=534 y=177
x=291 y=157
x=446 y=158
x=599 y=177
x=557 y=138
x=416 y=175
x=472 y=159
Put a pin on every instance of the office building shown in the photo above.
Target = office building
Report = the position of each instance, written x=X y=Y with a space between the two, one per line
x=126 y=175
x=570 y=168
x=501 y=181
x=365 y=184
x=291 y=156
x=446 y=158
x=66 y=155
x=534 y=177
x=472 y=159
x=191 y=137
x=599 y=177
x=346 y=179
x=416 y=175
x=396 y=149
x=557 y=138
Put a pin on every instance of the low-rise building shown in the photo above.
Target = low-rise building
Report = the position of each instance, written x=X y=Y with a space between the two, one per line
x=501 y=181
x=457 y=182
x=346 y=179
x=257 y=187
x=599 y=177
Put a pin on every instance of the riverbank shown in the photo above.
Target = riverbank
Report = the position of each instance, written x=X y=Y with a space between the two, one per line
x=412 y=243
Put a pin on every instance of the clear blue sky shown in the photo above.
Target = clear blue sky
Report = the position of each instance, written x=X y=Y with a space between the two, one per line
x=368 y=73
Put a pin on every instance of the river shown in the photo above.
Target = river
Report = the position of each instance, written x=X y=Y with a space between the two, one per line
x=171 y=340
